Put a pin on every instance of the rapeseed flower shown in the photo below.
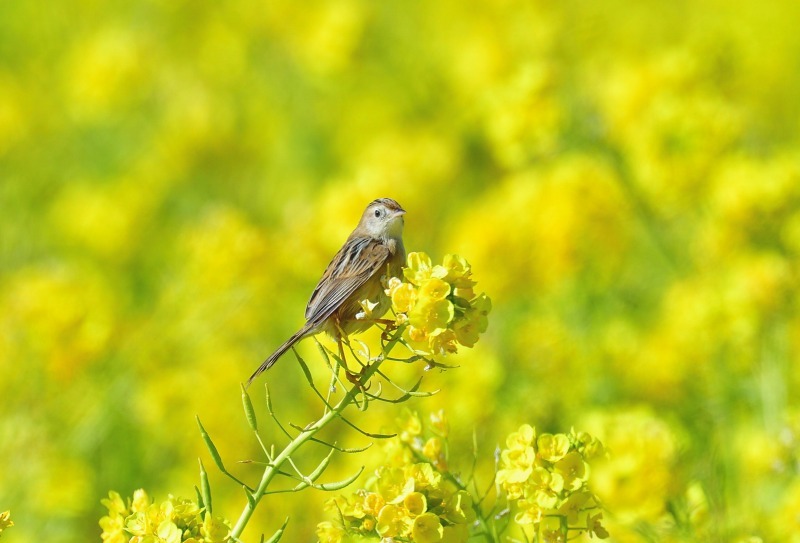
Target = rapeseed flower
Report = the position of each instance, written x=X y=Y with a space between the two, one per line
x=545 y=477
x=438 y=305
x=5 y=521
x=410 y=500
x=176 y=520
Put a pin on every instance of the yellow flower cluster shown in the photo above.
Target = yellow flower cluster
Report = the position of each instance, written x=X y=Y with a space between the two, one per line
x=410 y=497
x=438 y=305
x=411 y=503
x=546 y=477
x=177 y=520
x=5 y=521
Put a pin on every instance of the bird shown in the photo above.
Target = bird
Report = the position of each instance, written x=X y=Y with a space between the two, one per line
x=374 y=249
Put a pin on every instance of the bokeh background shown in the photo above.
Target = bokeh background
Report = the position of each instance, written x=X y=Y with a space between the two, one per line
x=624 y=178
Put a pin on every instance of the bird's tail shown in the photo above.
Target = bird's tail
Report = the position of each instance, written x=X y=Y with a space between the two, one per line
x=267 y=364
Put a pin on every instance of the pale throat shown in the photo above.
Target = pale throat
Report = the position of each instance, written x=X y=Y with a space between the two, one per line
x=394 y=230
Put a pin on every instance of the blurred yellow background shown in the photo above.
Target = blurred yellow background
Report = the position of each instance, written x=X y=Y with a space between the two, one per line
x=623 y=177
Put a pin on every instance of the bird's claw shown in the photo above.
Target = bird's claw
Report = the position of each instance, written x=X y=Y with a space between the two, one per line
x=355 y=378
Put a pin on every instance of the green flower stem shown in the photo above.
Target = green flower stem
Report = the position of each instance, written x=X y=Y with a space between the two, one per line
x=273 y=468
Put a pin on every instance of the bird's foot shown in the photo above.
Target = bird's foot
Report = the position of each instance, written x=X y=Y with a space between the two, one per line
x=355 y=378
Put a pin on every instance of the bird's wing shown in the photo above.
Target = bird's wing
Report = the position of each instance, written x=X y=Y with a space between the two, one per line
x=357 y=261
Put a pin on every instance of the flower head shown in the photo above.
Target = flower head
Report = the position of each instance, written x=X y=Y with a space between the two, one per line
x=438 y=305
x=413 y=501
x=545 y=478
x=176 y=520
x=5 y=521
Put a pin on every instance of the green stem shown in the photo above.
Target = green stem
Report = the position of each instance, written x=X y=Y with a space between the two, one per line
x=273 y=467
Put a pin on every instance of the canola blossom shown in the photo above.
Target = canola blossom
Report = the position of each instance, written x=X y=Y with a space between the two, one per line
x=176 y=520
x=437 y=304
x=410 y=503
x=410 y=497
x=546 y=478
x=5 y=521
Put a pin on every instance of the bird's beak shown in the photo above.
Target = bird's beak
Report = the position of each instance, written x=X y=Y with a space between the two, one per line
x=400 y=212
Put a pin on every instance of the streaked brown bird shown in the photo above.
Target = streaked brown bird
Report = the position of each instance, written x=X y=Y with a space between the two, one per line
x=375 y=248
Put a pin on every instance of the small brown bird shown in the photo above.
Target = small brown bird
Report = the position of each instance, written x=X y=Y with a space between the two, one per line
x=375 y=248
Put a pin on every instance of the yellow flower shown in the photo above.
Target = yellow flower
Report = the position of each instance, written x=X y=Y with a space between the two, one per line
x=434 y=289
x=350 y=508
x=373 y=503
x=438 y=305
x=5 y=520
x=410 y=425
x=215 y=529
x=523 y=457
x=573 y=505
x=390 y=482
x=545 y=487
x=168 y=532
x=327 y=532
x=424 y=476
x=475 y=321
x=432 y=448
x=529 y=512
x=439 y=423
x=113 y=529
x=522 y=438
x=512 y=480
x=415 y=503
x=419 y=269
x=404 y=297
x=427 y=528
x=574 y=470
x=552 y=447
x=432 y=316
x=141 y=501
x=393 y=521
x=114 y=504
x=594 y=526
x=467 y=332
x=590 y=446
x=416 y=335
x=444 y=342
x=458 y=271
x=459 y=508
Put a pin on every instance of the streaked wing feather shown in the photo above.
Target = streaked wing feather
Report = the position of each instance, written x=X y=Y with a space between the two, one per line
x=358 y=260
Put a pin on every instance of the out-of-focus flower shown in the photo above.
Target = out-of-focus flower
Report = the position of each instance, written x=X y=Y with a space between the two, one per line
x=545 y=478
x=328 y=532
x=176 y=520
x=5 y=521
x=639 y=477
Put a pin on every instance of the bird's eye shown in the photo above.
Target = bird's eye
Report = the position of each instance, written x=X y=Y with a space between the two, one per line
x=377 y=212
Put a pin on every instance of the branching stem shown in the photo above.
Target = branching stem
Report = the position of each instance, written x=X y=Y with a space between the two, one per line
x=273 y=468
